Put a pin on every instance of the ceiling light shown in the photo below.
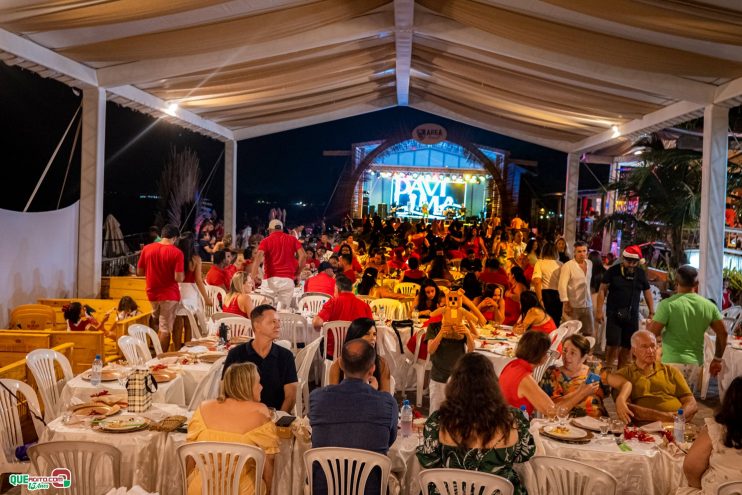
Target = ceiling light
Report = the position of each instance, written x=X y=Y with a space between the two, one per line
x=171 y=108
x=616 y=132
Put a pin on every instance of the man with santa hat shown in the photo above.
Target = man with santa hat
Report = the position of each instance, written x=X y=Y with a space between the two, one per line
x=624 y=282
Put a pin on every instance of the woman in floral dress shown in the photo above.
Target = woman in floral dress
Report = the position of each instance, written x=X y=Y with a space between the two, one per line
x=490 y=437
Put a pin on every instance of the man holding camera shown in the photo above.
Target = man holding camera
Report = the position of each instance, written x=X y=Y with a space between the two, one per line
x=624 y=284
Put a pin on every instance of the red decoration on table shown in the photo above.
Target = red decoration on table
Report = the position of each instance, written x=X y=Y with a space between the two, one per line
x=630 y=432
x=100 y=394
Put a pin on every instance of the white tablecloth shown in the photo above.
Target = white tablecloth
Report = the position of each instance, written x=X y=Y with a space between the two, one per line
x=171 y=392
x=731 y=367
x=148 y=458
x=646 y=470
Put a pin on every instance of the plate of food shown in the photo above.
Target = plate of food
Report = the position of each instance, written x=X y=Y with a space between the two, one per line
x=163 y=376
x=95 y=409
x=124 y=424
x=565 y=432
x=211 y=357
x=105 y=375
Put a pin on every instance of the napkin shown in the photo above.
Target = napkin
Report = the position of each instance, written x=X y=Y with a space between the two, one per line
x=652 y=427
x=302 y=429
x=588 y=422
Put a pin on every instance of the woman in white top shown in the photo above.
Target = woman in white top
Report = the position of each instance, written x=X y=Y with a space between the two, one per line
x=545 y=282
x=716 y=455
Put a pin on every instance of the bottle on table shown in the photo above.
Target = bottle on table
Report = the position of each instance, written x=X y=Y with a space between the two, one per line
x=95 y=371
x=525 y=412
x=679 y=427
x=406 y=419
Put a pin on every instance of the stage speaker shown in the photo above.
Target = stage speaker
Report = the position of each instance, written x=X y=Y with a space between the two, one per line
x=371 y=210
x=382 y=210
x=364 y=209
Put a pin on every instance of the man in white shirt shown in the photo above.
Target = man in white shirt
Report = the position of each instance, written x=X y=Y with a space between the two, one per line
x=574 y=288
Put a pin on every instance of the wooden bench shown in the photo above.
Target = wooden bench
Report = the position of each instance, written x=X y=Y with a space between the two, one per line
x=15 y=344
x=134 y=287
x=100 y=306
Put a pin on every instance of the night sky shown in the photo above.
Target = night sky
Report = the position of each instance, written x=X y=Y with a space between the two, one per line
x=278 y=169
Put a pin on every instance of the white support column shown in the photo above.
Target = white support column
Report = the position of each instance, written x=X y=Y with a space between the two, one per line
x=230 y=188
x=610 y=206
x=570 y=199
x=713 y=200
x=90 y=228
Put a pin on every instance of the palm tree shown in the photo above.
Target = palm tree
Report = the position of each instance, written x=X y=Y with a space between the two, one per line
x=667 y=190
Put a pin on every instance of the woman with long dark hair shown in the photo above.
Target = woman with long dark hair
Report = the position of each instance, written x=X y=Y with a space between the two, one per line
x=533 y=316
x=190 y=288
x=518 y=284
x=490 y=437
x=368 y=286
x=364 y=328
x=716 y=455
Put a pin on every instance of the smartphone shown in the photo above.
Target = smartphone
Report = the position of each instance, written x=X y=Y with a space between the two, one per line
x=592 y=379
x=285 y=421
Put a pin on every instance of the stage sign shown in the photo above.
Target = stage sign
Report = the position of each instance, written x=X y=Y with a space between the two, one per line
x=429 y=134
x=410 y=195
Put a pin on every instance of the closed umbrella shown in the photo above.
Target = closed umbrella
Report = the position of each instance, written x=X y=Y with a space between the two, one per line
x=113 y=243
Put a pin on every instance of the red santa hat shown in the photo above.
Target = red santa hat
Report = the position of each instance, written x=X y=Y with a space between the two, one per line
x=633 y=253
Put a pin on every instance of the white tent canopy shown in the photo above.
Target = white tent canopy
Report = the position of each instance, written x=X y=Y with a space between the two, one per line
x=573 y=75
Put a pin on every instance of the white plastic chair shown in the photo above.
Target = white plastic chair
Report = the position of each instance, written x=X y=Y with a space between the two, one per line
x=301 y=406
x=292 y=328
x=141 y=332
x=346 y=470
x=218 y=315
x=338 y=329
x=208 y=388
x=418 y=366
x=731 y=317
x=538 y=371
x=591 y=341
x=217 y=296
x=83 y=459
x=41 y=363
x=393 y=309
x=566 y=329
x=730 y=488
x=135 y=352
x=557 y=476
x=312 y=303
x=407 y=288
x=238 y=326
x=221 y=465
x=449 y=481
x=10 y=423
x=258 y=299
x=709 y=349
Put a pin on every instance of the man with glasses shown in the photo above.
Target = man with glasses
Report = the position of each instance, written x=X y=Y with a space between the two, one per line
x=624 y=284
x=657 y=390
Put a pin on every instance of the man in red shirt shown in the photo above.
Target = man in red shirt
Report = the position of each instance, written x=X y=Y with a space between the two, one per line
x=345 y=266
x=240 y=264
x=162 y=265
x=345 y=306
x=323 y=282
x=278 y=254
x=217 y=274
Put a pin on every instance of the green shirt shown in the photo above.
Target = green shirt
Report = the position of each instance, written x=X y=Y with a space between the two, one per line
x=686 y=318
x=661 y=390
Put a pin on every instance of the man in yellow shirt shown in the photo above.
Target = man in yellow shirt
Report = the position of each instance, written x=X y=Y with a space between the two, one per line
x=658 y=390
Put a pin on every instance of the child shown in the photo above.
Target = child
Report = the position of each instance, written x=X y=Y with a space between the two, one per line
x=127 y=308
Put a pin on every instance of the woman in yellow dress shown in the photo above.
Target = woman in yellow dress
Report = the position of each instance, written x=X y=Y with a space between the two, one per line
x=237 y=416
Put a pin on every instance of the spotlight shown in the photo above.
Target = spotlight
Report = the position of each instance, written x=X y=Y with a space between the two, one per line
x=616 y=132
x=171 y=108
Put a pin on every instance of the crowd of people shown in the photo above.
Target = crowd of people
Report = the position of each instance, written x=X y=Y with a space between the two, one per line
x=508 y=276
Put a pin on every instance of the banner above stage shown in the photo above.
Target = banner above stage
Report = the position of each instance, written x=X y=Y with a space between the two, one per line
x=429 y=134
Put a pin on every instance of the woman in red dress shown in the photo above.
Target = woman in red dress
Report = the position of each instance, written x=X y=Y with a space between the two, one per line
x=518 y=285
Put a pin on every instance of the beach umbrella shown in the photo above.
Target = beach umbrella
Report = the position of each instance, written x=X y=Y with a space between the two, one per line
x=113 y=243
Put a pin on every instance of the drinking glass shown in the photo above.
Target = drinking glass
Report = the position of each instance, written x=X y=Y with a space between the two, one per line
x=605 y=425
x=617 y=427
x=551 y=414
x=562 y=415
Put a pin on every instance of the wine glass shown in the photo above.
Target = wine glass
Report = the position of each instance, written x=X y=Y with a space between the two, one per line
x=605 y=425
x=617 y=427
x=562 y=413
x=551 y=414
